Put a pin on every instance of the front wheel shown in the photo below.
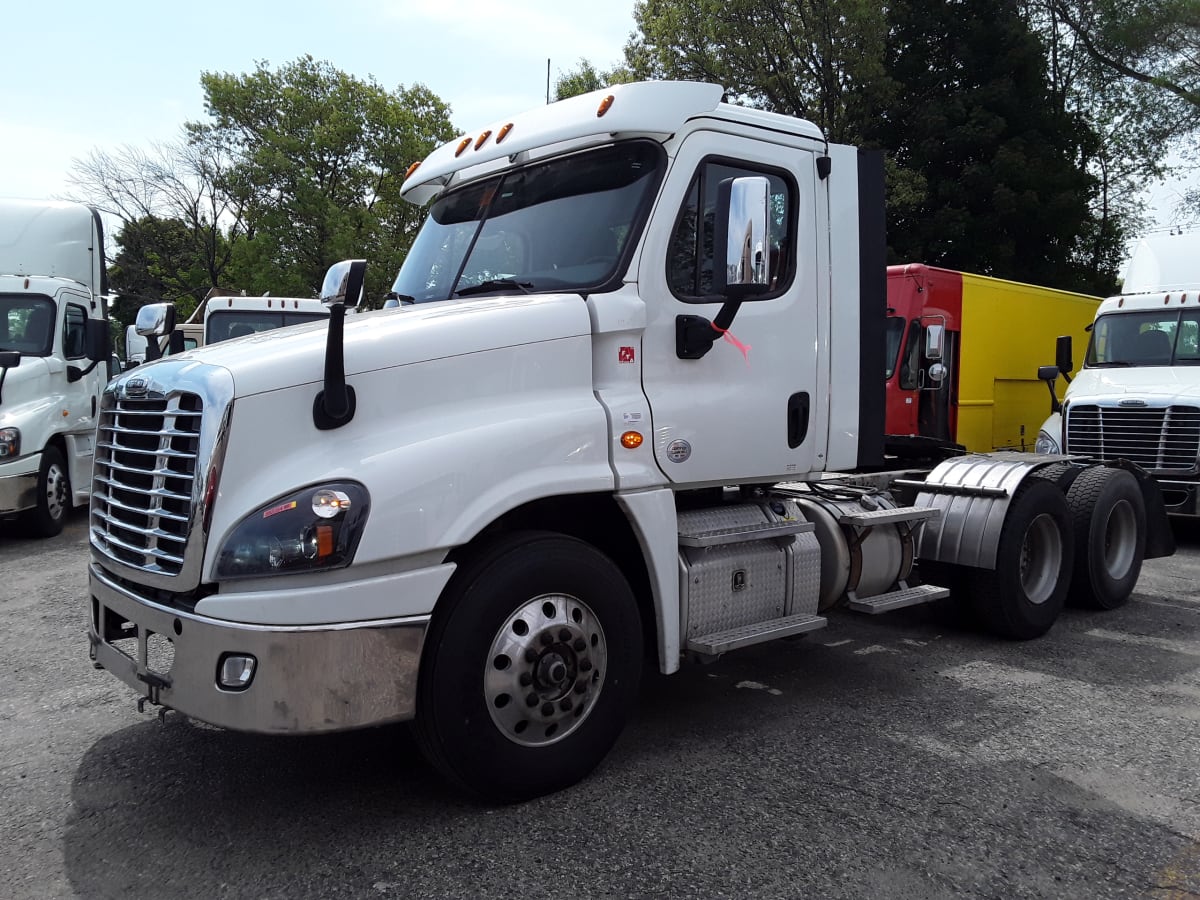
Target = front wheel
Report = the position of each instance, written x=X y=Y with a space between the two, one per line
x=53 y=496
x=531 y=667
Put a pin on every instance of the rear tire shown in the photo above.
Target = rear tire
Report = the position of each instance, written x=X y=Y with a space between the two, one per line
x=1023 y=596
x=1108 y=515
x=53 y=496
x=531 y=667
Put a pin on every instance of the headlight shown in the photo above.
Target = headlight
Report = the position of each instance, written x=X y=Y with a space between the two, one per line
x=10 y=443
x=1045 y=443
x=314 y=528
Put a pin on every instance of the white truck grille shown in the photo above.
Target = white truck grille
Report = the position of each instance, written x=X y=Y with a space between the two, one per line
x=1159 y=439
x=143 y=480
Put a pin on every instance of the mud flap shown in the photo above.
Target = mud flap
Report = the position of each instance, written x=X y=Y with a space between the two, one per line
x=1160 y=539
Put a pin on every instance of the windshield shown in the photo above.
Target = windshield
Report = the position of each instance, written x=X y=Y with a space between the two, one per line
x=560 y=225
x=27 y=323
x=1163 y=338
x=221 y=326
x=895 y=331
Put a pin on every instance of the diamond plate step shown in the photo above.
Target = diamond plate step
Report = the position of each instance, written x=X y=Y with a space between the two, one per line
x=890 y=516
x=738 y=534
x=913 y=596
x=744 y=636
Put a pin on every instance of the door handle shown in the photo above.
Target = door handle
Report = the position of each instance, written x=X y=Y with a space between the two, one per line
x=797 y=419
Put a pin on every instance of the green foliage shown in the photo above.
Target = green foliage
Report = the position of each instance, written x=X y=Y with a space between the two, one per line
x=586 y=77
x=817 y=59
x=987 y=164
x=321 y=158
x=157 y=261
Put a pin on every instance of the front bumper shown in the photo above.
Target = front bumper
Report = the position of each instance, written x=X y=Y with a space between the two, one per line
x=1180 y=497
x=307 y=679
x=18 y=484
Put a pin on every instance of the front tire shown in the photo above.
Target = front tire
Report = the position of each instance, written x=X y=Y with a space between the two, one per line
x=53 y=496
x=1023 y=596
x=531 y=667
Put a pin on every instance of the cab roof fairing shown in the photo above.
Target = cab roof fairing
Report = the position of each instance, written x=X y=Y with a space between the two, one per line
x=646 y=108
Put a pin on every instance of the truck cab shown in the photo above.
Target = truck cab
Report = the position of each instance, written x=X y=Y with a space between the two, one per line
x=1137 y=394
x=54 y=357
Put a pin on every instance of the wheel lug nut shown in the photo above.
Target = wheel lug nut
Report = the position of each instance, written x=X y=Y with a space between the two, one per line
x=579 y=646
x=526 y=679
x=547 y=638
x=530 y=655
x=547 y=709
x=531 y=701
x=585 y=665
x=565 y=704
x=580 y=687
x=564 y=635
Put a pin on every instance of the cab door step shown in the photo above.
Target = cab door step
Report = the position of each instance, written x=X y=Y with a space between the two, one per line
x=909 y=596
x=739 y=534
x=745 y=635
x=889 y=516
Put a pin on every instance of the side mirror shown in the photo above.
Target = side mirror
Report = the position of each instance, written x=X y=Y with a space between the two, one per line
x=344 y=283
x=1062 y=355
x=155 y=319
x=9 y=359
x=1049 y=374
x=741 y=237
x=934 y=337
x=99 y=340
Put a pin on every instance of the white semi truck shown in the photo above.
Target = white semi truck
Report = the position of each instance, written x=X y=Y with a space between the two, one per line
x=1137 y=395
x=639 y=334
x=54 y=358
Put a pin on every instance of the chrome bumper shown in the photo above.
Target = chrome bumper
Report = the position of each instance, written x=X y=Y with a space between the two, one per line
x=18 y=492
x=307 y=678
x=1180 y=497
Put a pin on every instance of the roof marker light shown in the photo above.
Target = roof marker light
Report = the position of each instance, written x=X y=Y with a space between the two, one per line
x=605 y=105
x=479 y=141
x=462 y=145
x=411 y=169
x=503 y=132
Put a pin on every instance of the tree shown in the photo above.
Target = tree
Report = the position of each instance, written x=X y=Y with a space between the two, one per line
x=158 y=260
x=817 y=59
x=321 y=156
x=989 y=168
x=185 y=183
x=587 y=78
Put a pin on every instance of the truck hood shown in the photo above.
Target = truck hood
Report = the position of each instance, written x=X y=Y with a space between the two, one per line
x=287 y=357
x=1148 y=382
x=26 y=390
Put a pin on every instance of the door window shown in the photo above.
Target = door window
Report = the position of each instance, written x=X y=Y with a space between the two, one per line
x=690 y=257
x=75 y=332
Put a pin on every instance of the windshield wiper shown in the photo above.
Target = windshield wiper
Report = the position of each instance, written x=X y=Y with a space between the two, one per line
x=494 y=284
x=1109 y=364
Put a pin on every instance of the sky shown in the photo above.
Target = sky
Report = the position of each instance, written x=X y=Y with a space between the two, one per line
x=81 y=76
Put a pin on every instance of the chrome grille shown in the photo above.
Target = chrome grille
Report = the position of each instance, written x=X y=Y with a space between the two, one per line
x=144 y=477
x=1160 y=439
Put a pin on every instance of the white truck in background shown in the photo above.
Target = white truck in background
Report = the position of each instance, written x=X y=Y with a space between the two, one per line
x=626 y=410
x=54 y=357
x=221 y=317
x=1137 y=396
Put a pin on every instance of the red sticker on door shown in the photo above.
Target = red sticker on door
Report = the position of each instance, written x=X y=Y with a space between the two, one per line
x=626 y=355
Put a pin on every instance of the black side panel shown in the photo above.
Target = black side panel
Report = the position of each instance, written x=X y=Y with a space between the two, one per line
x=872 y=262
x=100 y=250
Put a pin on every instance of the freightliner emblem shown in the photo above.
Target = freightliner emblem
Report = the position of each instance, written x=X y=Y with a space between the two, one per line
x=135 y=387
x=1131 y=403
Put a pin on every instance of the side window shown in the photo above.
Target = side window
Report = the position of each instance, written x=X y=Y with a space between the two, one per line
x=75 y=332
x=690 y=255
x=911 y=367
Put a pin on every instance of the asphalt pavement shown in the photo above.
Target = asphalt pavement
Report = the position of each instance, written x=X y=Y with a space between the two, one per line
x=893 y=756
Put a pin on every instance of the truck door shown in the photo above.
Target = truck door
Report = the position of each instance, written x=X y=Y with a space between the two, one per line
x=77 y=415
x=735 y=415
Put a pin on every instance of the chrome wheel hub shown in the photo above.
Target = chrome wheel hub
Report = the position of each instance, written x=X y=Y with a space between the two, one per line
x=545 y=669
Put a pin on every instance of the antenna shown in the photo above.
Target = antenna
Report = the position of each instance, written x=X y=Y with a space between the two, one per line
x=547 y=81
